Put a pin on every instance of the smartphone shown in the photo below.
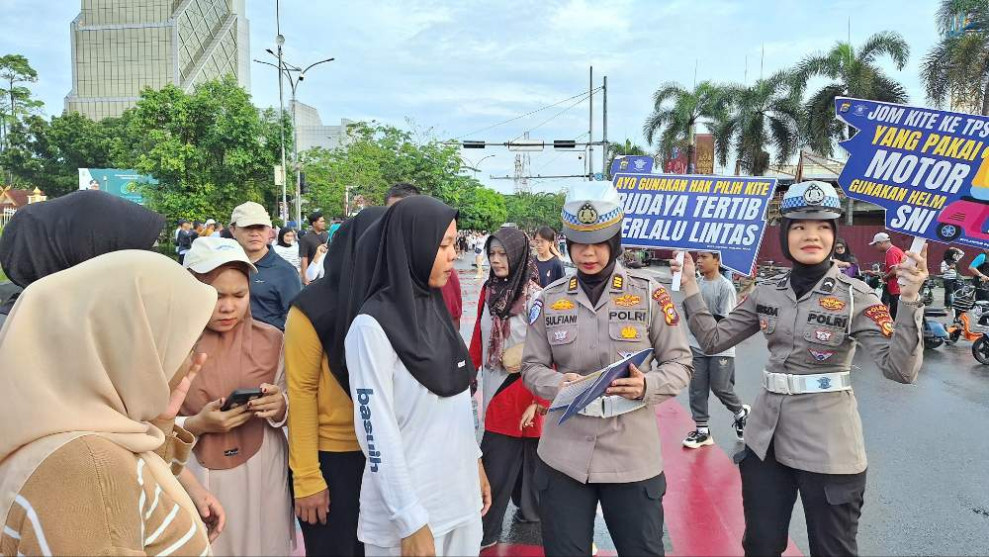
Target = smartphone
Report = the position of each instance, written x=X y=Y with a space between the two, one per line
x=240 y=397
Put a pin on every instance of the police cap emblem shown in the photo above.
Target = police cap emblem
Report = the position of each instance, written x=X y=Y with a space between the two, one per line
x=587 y=214
x=814 y=195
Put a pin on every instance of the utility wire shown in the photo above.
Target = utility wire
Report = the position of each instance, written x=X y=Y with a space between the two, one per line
x=555 y=116
x=527 y=114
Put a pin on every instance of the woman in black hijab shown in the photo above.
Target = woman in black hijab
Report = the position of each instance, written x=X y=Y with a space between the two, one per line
x=814 y=319
x=51 y=236
x=424 y=489
x=324 y=456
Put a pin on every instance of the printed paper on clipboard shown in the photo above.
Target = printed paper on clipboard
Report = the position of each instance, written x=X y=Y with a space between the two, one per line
x=587 y=390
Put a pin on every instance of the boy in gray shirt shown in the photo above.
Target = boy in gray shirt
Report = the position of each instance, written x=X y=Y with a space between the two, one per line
x=713 y=373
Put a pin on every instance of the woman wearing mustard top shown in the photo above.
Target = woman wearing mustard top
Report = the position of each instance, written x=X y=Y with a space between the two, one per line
x=326 y=461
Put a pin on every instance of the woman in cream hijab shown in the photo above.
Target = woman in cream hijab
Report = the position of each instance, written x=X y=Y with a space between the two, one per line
x=91 y=376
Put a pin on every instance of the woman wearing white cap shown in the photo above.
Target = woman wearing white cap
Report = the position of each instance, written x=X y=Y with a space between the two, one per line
x=241 y=453
x=608 y=454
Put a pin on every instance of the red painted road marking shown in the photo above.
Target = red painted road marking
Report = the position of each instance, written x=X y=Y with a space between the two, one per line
x=703 y=501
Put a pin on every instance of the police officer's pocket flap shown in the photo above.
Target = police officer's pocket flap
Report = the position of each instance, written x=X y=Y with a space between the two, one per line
x=843 y=490
x=626 y=331
x=561 y=335
x=656 y=487
x=824 y=335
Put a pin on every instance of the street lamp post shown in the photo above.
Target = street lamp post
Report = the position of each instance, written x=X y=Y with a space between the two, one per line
x=286 y=69
x=476 y=166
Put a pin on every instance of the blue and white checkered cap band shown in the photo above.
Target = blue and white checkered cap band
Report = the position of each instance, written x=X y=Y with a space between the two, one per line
x=603 y=221
x=811 y=196
x=797 y=203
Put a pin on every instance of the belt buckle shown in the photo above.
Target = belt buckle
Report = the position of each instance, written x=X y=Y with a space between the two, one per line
x=782 y=383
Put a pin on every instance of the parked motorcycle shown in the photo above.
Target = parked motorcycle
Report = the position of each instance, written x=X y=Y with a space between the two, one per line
x=971 y=322
x=935 y=334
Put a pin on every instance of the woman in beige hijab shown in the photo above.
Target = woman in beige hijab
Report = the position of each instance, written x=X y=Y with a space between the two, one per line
x=86 y=377
x=241 y=454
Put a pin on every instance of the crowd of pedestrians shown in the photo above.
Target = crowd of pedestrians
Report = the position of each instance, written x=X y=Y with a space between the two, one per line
x=148 y=402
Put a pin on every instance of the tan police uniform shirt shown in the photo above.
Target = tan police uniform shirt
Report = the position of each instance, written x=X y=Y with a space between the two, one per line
x=817 y=432
x=570 y=335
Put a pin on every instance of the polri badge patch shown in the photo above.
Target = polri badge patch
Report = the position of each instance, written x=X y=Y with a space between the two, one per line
x=821 y=355
x=562 y=304
x=629 y=333
x=665 y=301
x=626 y=300
x=534 y=312
x=832 y=303
x=880 y=315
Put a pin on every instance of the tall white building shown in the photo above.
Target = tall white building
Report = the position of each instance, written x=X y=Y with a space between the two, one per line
x=311 y=132
x=119 y=47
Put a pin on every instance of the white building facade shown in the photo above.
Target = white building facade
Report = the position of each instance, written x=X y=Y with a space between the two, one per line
x=119 y=47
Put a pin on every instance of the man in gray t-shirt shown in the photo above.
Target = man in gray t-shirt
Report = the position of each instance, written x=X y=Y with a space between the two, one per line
x=716 y=372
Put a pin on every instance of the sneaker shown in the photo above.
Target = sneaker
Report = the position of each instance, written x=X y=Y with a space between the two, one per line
x=740 y=421
x=697 y=439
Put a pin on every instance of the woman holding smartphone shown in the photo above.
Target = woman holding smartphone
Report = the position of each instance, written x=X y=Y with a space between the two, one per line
x=242 y=453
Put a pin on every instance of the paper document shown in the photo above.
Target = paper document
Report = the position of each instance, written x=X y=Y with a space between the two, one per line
x=577 y=395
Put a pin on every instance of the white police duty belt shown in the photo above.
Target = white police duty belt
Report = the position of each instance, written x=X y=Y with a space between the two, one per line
x=791 y=384
x=610 y=406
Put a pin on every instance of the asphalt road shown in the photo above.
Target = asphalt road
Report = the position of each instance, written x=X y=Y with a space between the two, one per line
x=928 y=449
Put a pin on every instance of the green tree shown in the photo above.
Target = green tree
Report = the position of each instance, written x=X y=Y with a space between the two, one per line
x=956 y=69
x=377 y=156
x=48 y=154
x=482 y=209
x=529 y=211
x=766 y=114
x=210 y=150
x=855 y=73
x=15 y=69
x=676 y=113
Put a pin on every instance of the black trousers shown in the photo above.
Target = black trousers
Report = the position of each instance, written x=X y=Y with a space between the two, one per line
x=343 y=473
x=949 y=291
x=892 y=301
x=510 y=464
x=633 y=512
x=832 y=506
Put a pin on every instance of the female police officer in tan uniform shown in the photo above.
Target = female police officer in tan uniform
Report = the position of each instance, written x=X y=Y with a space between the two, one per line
x=804 y=434
x=610 y=452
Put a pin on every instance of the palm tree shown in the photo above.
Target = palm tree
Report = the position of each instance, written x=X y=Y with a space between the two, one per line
x=676 y=111
x=767 y=113
x=957 y=68
x=855 y=74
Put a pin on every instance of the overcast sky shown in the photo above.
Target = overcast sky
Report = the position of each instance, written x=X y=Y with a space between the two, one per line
x=458 y=67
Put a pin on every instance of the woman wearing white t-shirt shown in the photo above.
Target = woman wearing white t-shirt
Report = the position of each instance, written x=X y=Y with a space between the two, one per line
x=424 y=489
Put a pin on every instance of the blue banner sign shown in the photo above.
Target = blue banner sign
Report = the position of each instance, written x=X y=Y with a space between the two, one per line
x=639 y=164
x=926 y=167
x=726 y=214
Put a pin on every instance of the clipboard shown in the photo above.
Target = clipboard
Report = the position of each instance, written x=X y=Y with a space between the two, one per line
x=577 y=395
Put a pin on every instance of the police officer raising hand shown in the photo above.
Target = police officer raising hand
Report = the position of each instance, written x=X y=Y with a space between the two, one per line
x=804 y=434
x=912 y=277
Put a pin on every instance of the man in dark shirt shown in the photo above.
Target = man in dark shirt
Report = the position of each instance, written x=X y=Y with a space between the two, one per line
x=316 y=237
x=184 y=238
x=276 y=283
